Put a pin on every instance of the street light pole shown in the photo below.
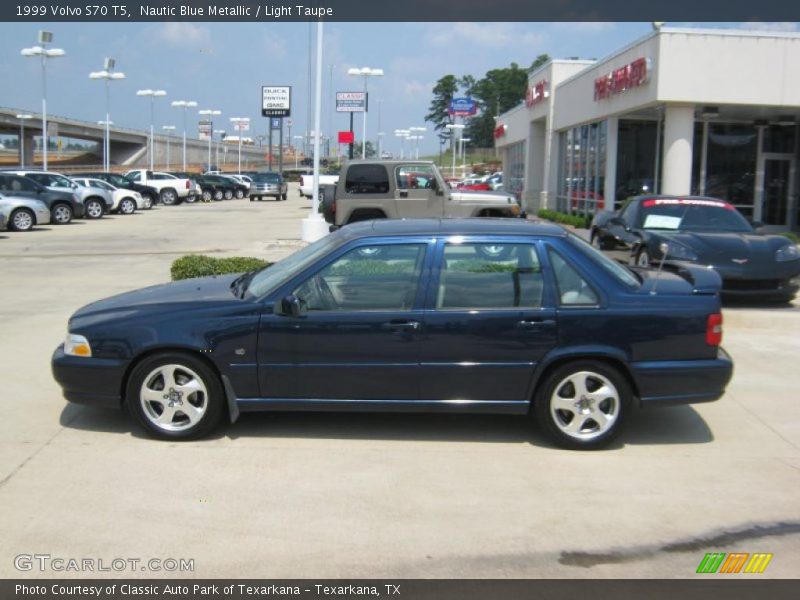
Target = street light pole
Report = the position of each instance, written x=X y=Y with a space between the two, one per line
x=454 y=128
x=45 y=37
x=210 y=113
x=22 y=118
x=184 y=104
x=220 y=133
x=169 y=129
x=365 y=72
x=240 y=124
x=153 y=94
x=108 y=75
x=297 y=137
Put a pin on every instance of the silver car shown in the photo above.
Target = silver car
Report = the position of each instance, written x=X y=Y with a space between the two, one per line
x=96 y=202
x=22 y=214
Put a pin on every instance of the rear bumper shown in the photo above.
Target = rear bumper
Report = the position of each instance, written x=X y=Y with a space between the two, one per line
x=93 y=381
x=668 y=383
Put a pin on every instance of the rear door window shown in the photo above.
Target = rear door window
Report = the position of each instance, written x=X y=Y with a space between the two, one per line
x=573 y=289
x=367 y=179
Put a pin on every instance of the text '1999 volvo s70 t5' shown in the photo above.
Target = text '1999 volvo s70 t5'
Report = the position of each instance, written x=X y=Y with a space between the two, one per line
x=445 y=315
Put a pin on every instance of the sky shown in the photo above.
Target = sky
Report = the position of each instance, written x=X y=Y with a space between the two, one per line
x=222 y=66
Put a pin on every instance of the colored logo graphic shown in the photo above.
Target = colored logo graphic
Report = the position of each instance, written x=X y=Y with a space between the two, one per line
x=735 y=562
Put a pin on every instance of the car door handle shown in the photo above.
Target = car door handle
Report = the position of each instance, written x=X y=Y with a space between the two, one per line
x=403 y=194
x=401 y=325
x=535 y=323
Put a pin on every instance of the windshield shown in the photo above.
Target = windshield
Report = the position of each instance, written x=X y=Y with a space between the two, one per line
x=268 y=279
x=691 y=214
x=609 y=265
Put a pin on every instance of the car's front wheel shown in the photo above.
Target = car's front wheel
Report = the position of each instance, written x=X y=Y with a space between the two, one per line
x=61 y=214
x=239 y=194
x=582 y=405
x=169 y=197
x=148 y=201
x=173 y=395
x=218 y=195
x=207 y=196
x=94 y=209
x=228 y=194
x=127 y=206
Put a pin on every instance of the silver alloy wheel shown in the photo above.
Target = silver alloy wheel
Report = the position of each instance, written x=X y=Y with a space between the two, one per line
x=239 y=194
x=148 y=201
x=94 y=210
x=643 y=259
x=585 y=405
x=127 y=206
x=207 y=196
x=62 y=214
x=218 y=195
x=168 y=197
x=22 y=220
x=173 y=398
x=228 y=195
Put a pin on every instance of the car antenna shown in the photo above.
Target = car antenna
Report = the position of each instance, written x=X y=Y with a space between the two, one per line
x=664 y=247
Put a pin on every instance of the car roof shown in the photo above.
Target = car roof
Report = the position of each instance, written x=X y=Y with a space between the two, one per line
x=462 y=226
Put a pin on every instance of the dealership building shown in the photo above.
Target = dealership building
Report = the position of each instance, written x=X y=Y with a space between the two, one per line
x=680 y=111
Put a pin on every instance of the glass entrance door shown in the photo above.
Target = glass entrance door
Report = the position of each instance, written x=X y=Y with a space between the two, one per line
x=778 y=190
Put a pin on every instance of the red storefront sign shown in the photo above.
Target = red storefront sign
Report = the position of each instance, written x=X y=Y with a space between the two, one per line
x=346 y=137
x=536 y=93
x=500 y=131
x=625 y=78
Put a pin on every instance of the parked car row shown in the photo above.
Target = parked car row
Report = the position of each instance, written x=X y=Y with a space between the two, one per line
x=30 y=197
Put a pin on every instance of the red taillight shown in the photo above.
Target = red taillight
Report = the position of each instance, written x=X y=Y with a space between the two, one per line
x=714 y=330
x=188 y=184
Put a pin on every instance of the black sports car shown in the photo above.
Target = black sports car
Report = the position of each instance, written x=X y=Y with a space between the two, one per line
x=706 y=231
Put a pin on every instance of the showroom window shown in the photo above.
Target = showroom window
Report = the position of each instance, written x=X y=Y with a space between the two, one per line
x=636 y=158
x=582 y=165
x=514 y=169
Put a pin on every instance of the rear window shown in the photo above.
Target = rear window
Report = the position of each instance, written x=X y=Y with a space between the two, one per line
x=367 y=179
x=612 y=267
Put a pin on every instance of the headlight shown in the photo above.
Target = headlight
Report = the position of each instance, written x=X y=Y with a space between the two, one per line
x=680 y=252
x=77 y=345
x=787 y=252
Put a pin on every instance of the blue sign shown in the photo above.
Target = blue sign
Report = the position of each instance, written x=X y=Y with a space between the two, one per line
x=463 y=107
x=275 y=123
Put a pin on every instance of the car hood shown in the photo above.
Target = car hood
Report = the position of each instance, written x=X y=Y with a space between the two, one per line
x=714 y=247
x=482 y=196
x=179 y=295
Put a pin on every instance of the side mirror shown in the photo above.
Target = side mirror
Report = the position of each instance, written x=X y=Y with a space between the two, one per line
x=619 y=222
x=290 y=305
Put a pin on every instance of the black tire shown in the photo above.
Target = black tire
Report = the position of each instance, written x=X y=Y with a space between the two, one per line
x=94 y=209
x=228 y=194
x=495 y=251
x=22 y=219
x=239 y=194
x=127 y=206
x=191 y=198
x=585 y=433
x=252 y=198
x=210 y=403
x=218 y=195
x=61 y=214
x=599 y=242
x=169 y=197
x=284 y=196
x=643 y=257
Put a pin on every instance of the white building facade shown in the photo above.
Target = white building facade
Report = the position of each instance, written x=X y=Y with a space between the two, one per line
x=680 y=111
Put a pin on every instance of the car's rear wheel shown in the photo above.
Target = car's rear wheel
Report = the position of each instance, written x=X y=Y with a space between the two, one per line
x=127 y=206
x=228 y=194
x=218 y=195
x=582 y=405
x=61 y=214
x=284 y=196
x=207 y=196
x=173 y=395
x=94 y=209
x=21 y=219
x=239 y=194
x=598 y=242
x=169 y=197
x=148 y=201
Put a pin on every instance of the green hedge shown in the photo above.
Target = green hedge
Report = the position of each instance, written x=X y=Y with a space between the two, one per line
x=199 y=265
x=578 y=221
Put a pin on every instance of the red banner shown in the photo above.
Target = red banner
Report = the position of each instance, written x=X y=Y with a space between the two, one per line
x=346 y=137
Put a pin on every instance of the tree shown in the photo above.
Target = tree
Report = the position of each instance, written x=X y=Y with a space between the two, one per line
x=443 y=92
x=498 y=91
x=371 y=152
x=538 y=62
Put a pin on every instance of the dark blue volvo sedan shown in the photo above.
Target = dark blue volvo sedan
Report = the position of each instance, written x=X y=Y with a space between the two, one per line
x=462 y=315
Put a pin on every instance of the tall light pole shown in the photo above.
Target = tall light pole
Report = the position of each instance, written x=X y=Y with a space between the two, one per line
x=464 y=142
x=402 y=134
x=152 y=94
x=220 y=133
x=184 y=104
x=42 y=51
x=240 y=124
x=332 y=103
x=210 y=113
x=108 y=75
x=455 y=129
x=380 y=133
x=22 y=118
x=169 y=129
x=366 y=73
x=417 y=131
x=297 y=137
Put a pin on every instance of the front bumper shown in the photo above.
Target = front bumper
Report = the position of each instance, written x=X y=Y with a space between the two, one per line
x=668 y=383
x=93 y=381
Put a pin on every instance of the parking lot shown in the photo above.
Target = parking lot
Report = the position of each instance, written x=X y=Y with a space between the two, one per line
x=337 y=495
